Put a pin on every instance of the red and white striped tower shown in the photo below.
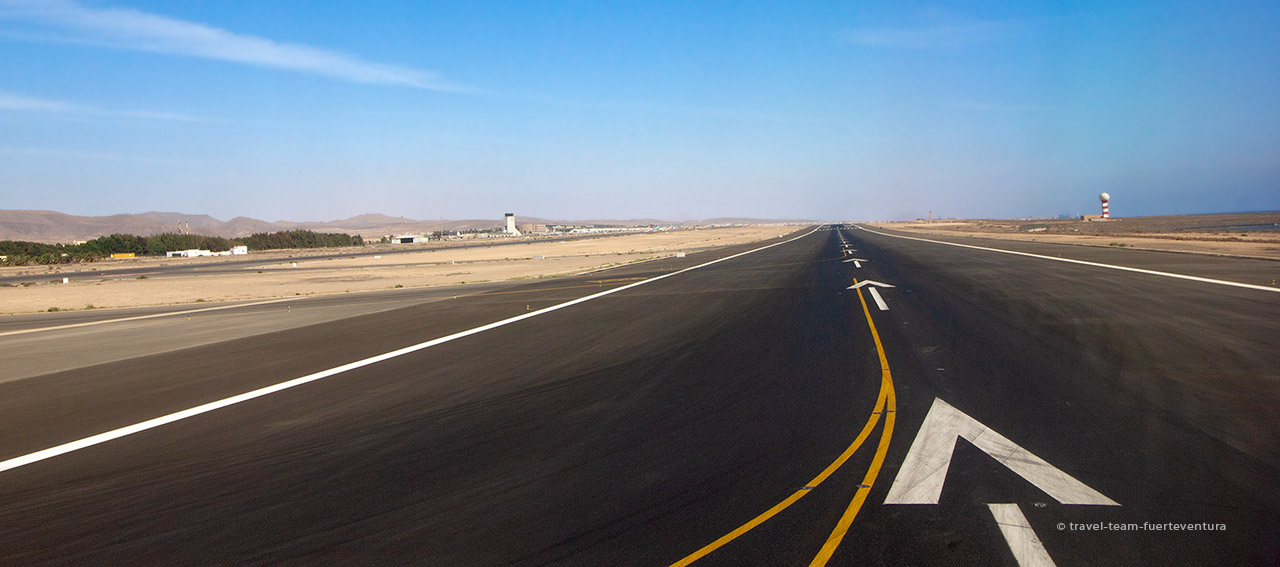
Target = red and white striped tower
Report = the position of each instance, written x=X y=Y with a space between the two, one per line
x=1106 y=209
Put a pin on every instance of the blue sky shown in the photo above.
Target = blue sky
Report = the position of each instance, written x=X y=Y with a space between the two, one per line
x=842 y=110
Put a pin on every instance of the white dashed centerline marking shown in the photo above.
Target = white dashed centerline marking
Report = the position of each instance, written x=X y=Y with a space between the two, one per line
x=1026 y=546
x=876 y=296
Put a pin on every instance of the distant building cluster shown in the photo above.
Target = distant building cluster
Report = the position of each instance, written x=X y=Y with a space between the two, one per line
x=511 y=228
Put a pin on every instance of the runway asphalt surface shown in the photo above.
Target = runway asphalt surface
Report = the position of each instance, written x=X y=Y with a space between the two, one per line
x=751 y=411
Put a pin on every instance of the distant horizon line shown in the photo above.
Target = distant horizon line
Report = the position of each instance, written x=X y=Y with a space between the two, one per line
x=499 y=219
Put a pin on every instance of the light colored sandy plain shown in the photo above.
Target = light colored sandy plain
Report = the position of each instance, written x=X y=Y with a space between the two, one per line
x=1253 y=246
x=277 y=277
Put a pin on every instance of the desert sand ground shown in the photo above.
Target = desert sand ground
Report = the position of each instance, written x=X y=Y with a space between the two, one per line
x=1181 y=233
x=276 y=276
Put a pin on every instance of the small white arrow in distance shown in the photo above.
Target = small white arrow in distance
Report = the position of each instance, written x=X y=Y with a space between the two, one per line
x=874 y=294
x=857 y=262
x=869 y=282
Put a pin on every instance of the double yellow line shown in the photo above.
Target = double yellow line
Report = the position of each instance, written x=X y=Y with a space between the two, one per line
x=886 y=406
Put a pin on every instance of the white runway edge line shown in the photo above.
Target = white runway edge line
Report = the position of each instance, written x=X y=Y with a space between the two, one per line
x=1082 y=262
x=205 y=408
x=140 y=317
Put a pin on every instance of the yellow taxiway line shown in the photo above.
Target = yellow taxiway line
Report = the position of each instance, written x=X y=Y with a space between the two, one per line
x=886 y=405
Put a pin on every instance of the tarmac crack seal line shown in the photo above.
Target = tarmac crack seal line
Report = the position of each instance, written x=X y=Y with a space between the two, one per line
x=114 y=434
x=886 y=405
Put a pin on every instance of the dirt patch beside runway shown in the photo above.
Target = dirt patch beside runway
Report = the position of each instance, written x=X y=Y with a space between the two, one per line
x=1244 y=234
x=284 y=274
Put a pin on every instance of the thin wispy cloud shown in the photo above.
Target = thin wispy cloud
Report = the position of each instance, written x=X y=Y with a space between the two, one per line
x=12 y=102
x=141 y=31
x=934 y=35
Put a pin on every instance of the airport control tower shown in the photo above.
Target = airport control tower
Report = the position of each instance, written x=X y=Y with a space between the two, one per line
x=511 y=224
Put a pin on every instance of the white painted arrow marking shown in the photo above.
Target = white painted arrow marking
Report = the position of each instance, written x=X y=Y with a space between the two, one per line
x=924 y=470
x=857 y=262
x=1026 y=546
x=869 y=282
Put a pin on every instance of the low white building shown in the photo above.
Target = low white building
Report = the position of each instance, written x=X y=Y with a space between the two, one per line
x=187 y=253
x=234 y=251
x=408 y=238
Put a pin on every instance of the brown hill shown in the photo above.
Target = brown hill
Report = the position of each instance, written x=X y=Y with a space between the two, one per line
x=51 y=226
x=244 y=226
x=196 y=222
